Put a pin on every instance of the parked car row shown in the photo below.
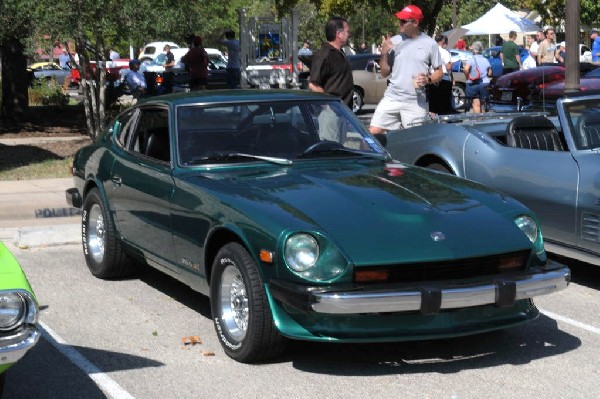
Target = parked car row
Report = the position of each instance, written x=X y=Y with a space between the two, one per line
x=154 y=72
x=47 y=72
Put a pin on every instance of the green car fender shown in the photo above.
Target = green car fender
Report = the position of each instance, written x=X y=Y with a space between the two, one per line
x=13 y=279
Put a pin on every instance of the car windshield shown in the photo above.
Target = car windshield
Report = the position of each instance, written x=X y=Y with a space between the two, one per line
x=159 y=59
x=279 y=133
x=584 y=120
x=218 y=61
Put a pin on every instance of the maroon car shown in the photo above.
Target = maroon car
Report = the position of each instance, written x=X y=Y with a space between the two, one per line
x=532 y=88
x=555 y=90
x=512 y=91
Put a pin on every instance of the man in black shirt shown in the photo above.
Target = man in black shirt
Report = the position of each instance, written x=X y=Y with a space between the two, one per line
x=169 y=64
x=330 y=71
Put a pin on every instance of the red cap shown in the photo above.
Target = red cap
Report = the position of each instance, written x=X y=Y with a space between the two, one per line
x=410 y=12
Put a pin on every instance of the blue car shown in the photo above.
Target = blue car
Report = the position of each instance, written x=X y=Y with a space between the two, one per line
x=493 y=56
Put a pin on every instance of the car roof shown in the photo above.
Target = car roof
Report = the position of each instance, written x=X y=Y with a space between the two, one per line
x=213 y=51
x=216 y=97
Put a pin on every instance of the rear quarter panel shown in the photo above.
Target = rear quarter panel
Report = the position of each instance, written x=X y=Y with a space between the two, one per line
x=430 y=143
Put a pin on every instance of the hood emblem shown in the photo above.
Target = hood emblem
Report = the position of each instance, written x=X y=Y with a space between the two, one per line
x=438 y=236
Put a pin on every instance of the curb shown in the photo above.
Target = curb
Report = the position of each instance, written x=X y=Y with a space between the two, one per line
x=33 y=237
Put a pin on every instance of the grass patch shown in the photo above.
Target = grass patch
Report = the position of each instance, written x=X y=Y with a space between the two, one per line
x=50 y=168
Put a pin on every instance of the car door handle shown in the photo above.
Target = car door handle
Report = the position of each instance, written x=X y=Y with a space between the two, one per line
x=117 y=180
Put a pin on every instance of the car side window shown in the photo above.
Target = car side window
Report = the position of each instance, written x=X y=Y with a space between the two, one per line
x=151 y=136
x=123 y=127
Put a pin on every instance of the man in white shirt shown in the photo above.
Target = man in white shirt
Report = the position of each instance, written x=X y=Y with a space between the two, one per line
x=404 y=102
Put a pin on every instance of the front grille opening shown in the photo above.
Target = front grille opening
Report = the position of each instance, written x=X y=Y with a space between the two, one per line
x=443 y=270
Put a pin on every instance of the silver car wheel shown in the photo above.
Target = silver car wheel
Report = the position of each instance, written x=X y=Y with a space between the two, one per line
x=458 y=97
x=234 y=303
x=357 y=101
x=96 y=233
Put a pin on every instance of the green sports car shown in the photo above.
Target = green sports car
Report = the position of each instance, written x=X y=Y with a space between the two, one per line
x=296 y=222
x=18 y=313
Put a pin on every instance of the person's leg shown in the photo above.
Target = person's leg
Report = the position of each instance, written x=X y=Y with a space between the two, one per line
x=476 y=105
x=230 y=73
x=237 y=78
x=414 y=112
x=386 y=117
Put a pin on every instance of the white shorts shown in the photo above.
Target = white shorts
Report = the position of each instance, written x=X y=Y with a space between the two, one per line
x=394 y=114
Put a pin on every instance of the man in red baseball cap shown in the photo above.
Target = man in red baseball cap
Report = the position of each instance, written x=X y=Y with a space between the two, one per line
x=414 y=62
x=410 y=12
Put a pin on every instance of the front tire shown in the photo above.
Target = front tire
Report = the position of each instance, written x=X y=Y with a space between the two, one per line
x=357 y=101
x=240 y=309
x=103 y=253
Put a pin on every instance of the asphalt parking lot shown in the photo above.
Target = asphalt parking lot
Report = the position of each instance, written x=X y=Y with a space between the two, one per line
x=126 y=339
x=152 y=337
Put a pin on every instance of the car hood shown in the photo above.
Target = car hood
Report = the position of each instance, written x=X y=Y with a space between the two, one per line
x=557 y=89
x=381 y=214
x=535 y=76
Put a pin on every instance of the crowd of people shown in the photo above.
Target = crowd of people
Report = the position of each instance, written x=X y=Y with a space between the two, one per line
x=418 y=67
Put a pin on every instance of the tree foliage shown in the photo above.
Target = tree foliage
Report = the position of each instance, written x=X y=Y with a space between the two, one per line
x=98 y=25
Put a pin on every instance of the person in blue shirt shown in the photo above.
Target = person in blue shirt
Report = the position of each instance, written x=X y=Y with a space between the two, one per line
x=595 y=45
x=135 y=80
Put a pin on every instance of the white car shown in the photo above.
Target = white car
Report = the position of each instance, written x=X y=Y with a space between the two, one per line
x=158 y=63
x=151 y=50
x=585 y=54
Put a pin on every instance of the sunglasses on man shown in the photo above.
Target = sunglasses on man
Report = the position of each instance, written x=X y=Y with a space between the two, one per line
x=404 y=21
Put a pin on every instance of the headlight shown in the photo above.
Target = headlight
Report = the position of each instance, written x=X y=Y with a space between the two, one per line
x=301 y=252
x=528 y=226
x=12 y=310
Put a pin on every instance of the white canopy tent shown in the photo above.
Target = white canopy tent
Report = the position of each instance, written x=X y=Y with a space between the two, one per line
x=499 y=20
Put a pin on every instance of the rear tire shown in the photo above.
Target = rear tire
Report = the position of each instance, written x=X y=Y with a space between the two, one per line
x=103 y=253
x=240 y=310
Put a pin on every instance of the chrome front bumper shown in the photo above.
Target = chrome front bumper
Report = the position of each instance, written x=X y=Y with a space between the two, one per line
x=427 y=297
x=14 y=347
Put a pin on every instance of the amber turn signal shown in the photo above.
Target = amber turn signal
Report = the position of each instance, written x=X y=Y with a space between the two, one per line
x=365 y=276
x=266 y=256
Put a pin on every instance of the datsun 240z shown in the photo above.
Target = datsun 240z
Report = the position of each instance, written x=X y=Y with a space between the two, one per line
x=296 y=222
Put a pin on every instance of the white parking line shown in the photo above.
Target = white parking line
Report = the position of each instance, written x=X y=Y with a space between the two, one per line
x=572 y=322
x=103 y=381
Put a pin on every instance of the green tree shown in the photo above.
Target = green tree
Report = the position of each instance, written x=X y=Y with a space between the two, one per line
x=15 y=27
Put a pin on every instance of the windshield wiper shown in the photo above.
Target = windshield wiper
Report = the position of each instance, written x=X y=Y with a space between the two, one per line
x=333 y=147
x=225 y=156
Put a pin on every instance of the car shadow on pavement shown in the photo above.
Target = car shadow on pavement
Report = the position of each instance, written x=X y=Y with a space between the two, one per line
x=177 y=290
x=46 y=373
x=520 y=345
x=582 y=273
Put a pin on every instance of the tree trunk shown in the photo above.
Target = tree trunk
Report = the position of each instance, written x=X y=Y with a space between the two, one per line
x=15 y=80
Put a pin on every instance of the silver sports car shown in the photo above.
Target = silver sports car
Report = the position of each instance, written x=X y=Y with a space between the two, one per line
x=550 y=163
